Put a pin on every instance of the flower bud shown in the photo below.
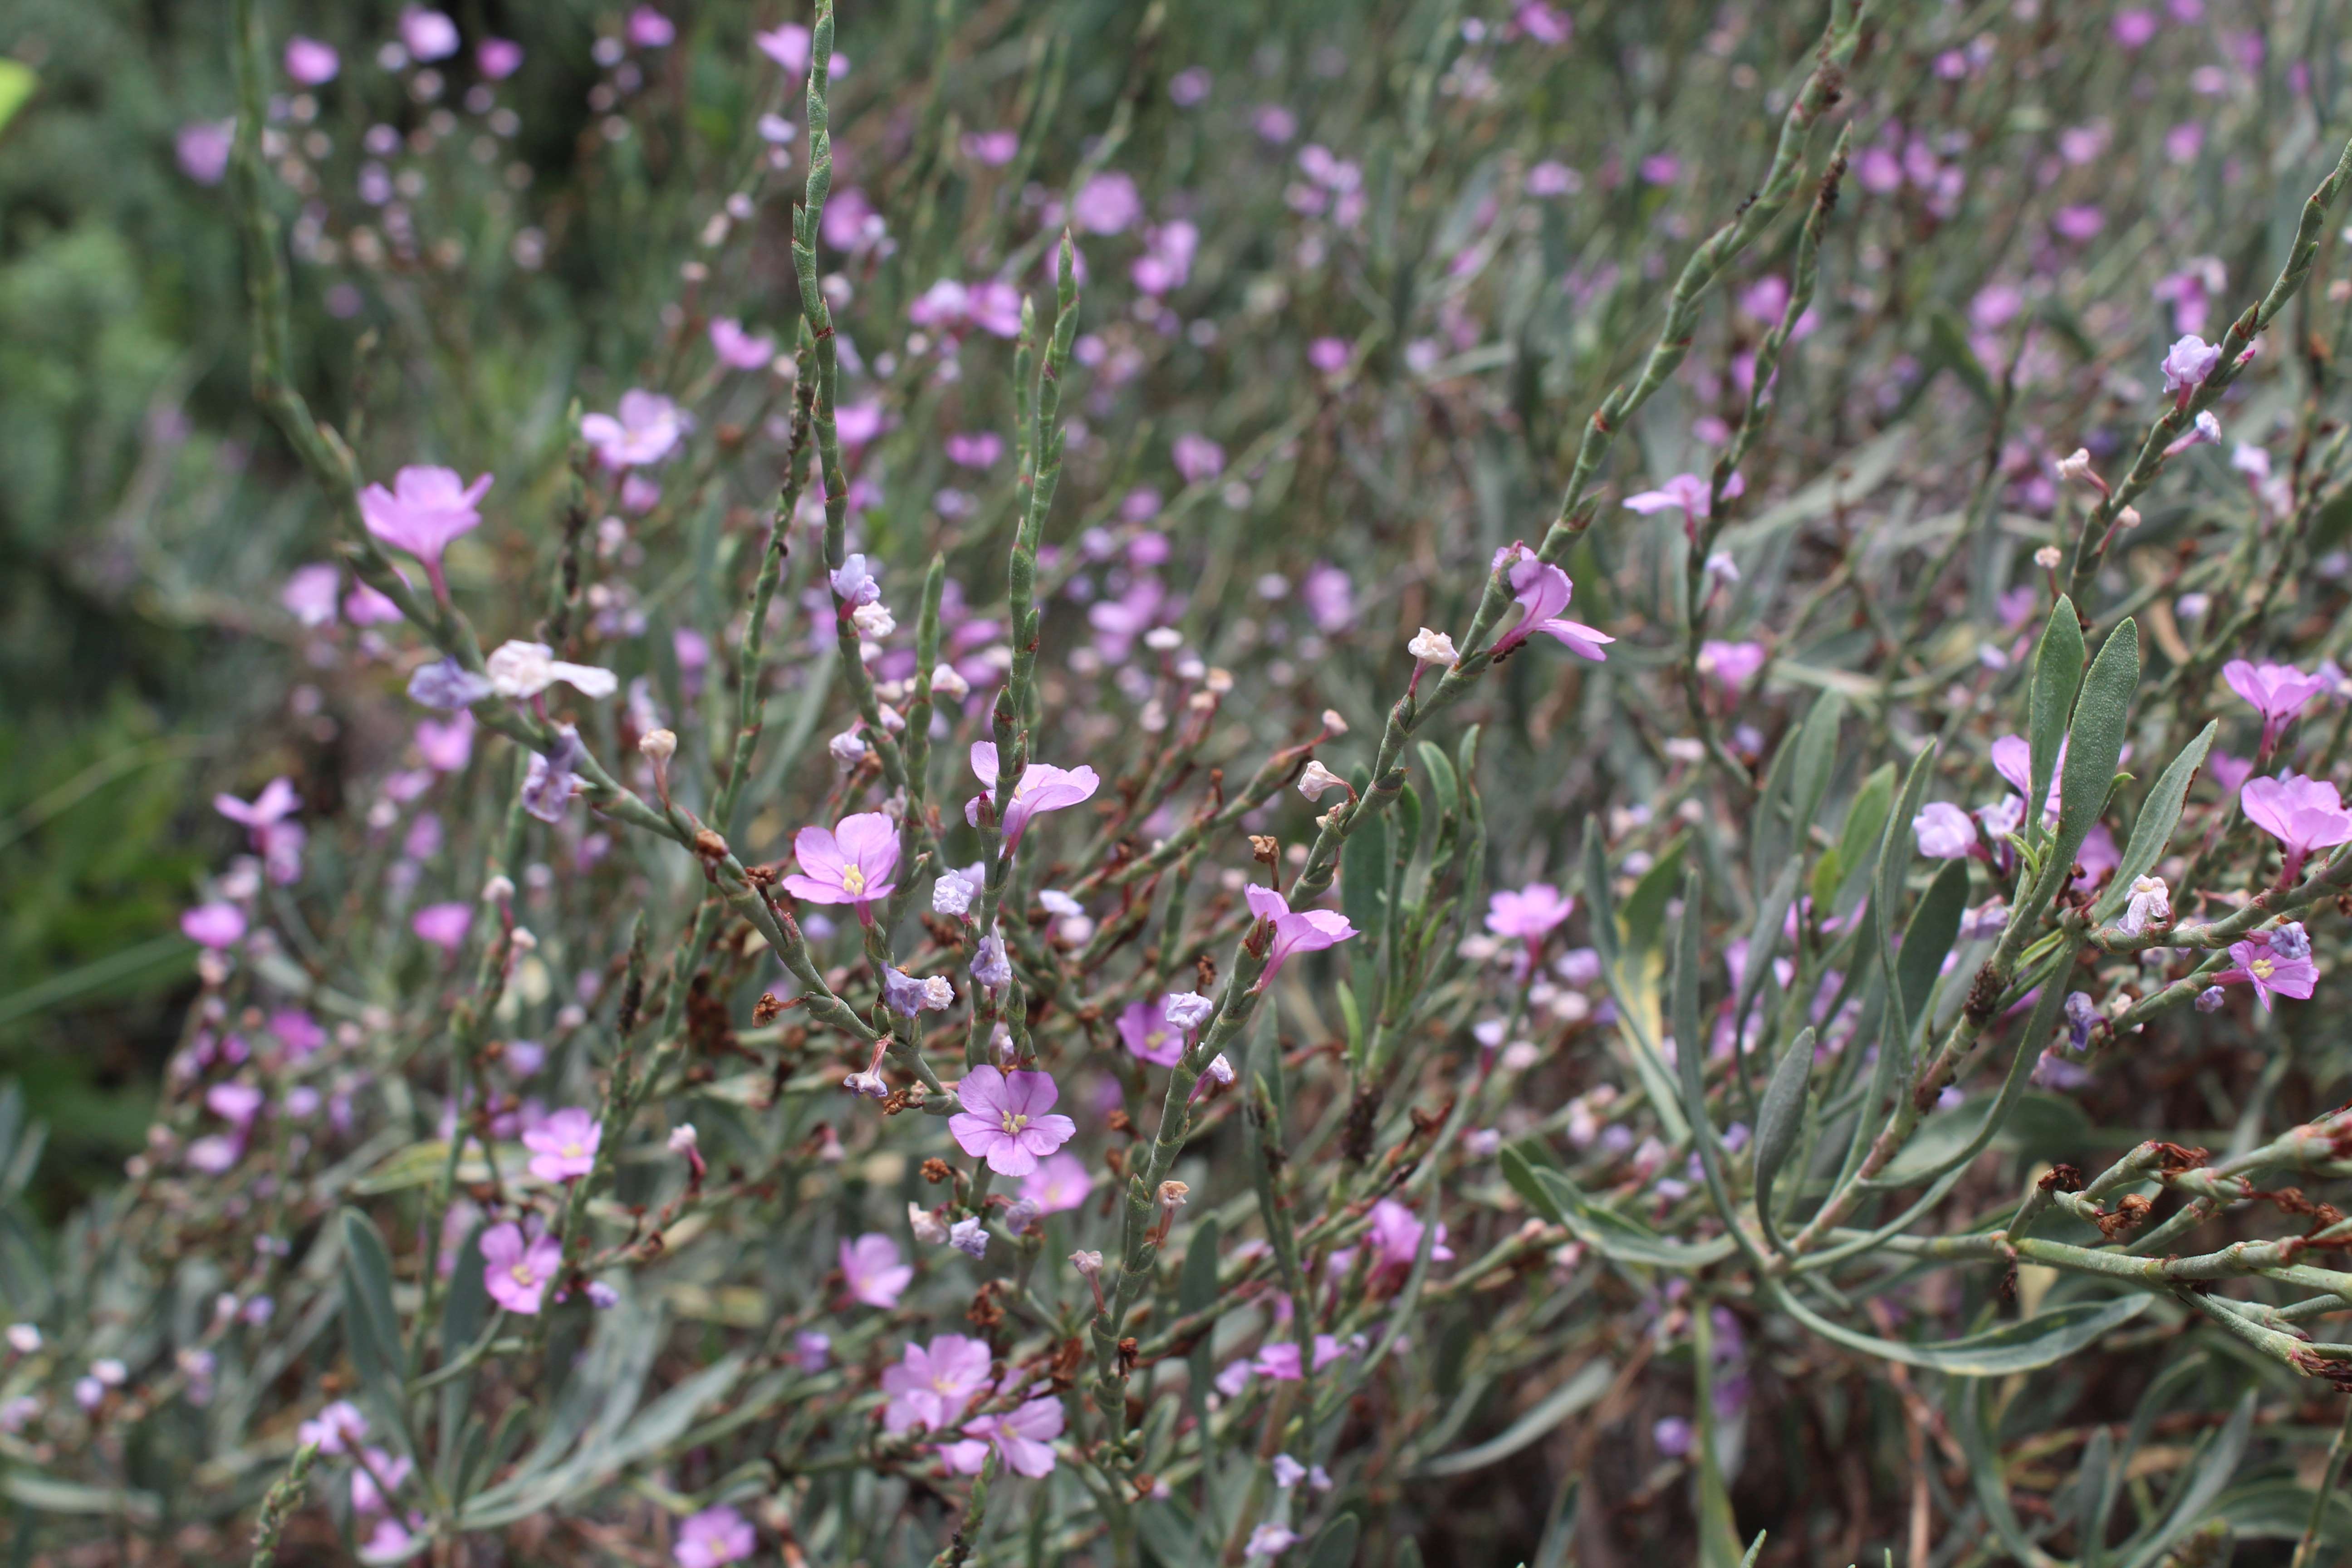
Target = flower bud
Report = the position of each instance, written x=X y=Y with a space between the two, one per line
x=929 y=1228
x=946 y=682
x=1333 y=723
x=498 y=890
x=2075 y=464
x=1087 y=1264
x=1173 y=1195
x=1319 y=781
x=1432 y=647
x=683 y=1138
x=2047 y=557
x=661 y=745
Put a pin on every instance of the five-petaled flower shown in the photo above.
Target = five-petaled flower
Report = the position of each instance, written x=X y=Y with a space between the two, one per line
x=714 y=1538
x=1530 y=913
x=646 y=429
x=2278 y=692
x=2269 y=972
x=423 y=510
x=852 y=864
x=2303 y=814
x=516 y=1272
x=1007 y=1119
x=1542 y=592
x=1688 y=491
x=931 y=1387
x=873 y=1271
x=563 y=1147
x=1041 y=788
x=1145 y=1031
x=1294 y=930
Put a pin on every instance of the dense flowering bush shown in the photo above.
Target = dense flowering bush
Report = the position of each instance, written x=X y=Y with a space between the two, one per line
x=1038 y=869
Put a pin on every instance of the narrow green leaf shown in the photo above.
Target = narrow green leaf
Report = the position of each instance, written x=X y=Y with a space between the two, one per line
x=2092 y=1497
x=1780 y=1120
x=1582 y=1389
x=2025 y=1345
x=1817 y=755
x=1863 y=836
x=2057 y=677
x=1442 y=779
x=16 y=84
x=1928 y=940
x=2158 y=816
x=1335 y=1547
x=2214 y=1473
x=2094 y=743
x=1615 y=1236
x=1197 y=1289
x=371 y=1324
x=1644 y=915
x=1768 y=836
x=1599 y=902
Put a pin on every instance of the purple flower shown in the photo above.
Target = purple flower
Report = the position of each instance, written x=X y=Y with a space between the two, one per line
x=423 y=510
x=1661 y=169
x=1106 y=204
x=563 y=1147
x=788 y=46
x=310 y=594
x=239 y=1102
x=738 y=349
x=1270 y=1539
x=334 y=1429
x=1060 y=1182
x=2303 y=814
x=516 y=1273
x=448 y=747
x=445 y=685
x=1542 y=592
x=1024 y=1436
x=871 y=1268
x=497 y=58
x=214 y=925
x=1945 y=832
x=1730 y=665
x=203 y=148
x=990 y=965
x=429 y=35
x=645 y=428
x=1198 y=458
x=2261 y=966
x=1042 y=788
x=1148 y=1034
x=1329 y=355
x=716 y=1536
x=1395 y=1240
x=1672 y=1436
x=1693 y=494
x=443 y=925
x=969 y=1237
x=548 y=779
x=1545 y=24
x=1329 y=597
x=1007 y=1119
x=976 y=449
x=811 y=1348
x=1303 y=930
x=991 y=149
x=851 y=865
x=928 y=1389
x=1531 y=913
x=310 y=62
x=649 y=29
x=2186 y=364
x=2278 y=692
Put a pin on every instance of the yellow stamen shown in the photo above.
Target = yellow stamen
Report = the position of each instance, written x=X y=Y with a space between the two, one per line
x=853 y=881
x=1013 y=1123
x=2261 y=968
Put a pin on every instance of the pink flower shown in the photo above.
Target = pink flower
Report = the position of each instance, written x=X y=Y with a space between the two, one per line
x=1690 y=491
x=1304 y=931
x=517 y=1273
x=1395 y=1239
x=851 y=865
x=2013 y=759
x=429 y=35
x=204 y=147
x=1270 y=1539
x=276 y=802
x=2186 y=364
x=1198 y=458
x=713 y=1538
x=871 y=1268
x=423 y=510
x=2278 y=692
x=235 y=1102
x=850 y=220
x=649 y=29
x=1543 y=591
x=563 y=1147
x=1531 y=913
x=1148 y=1034
x=739 y=349
x=310 y=62
x=497 y=58
x=1042 y=788
x=788 y=46
x=1945 y=832
x=1730 y=665
x=993 y=149
x=1545 y=24
x=334 y=1427
x=214 y=925
x=1329 y=355
x=446 y=748
x=856 y=424
x=1106 y=204
x=977 y=449
x=644 y=428
x=309 y=593
x=2268 y=972
x=1024 y=1436
x=1060 y=1182
x=443 y=925
x=2133 y=29
x=363 y=606
x=929 y=1387
x=1007 y=1119
x=2303 y=814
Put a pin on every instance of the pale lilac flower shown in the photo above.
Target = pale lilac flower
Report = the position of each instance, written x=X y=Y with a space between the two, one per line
x=2303 y=814
x=1189 y=87
x=852 y=864
x=366 y=1496
x=1024 y=1436
x=1543 y=592
x=975 y=449
x=444 y=925
x=714 y=1538
x=853 y=583
x=563 y=1147
x=2278 y=692
x=1329 y=355
x=334 y=1429
x=1148 y=1034
x=1944 y=831
x=1106 y=204
x=1007 y=1119
x=310 y=592
x=1302 y=930
x=423 y=510
x=277 y=801
x=1288 y=1471
x=549 y=776
x=1042 y=788
x=516 y=1272
x=2261 y=966
x=738 y=349
x=1552 y=178
x=203 y=148
x=856 y=424
x=788 y=46
x=1661 y=169
x=1270 y=1539
x=1189 y=1009
x=953 y=892
x=1330 y=598
x=1198 y=458
x=1545 y=24
x=1672 y=1436
x=812 y=1349
x=2186 y=364
x=497 y=58
x=429 y=35
x=1690 y=493
x=906 y=996
x=645 y=428
x=521 y=671
x=214 y=925
x=446 y=747
x=447 y=686
x=969 y=1237
x=991 y=149
x=990 y=965
x=1061 y=1181
x=1730 y=665
x=310 y=62
x=931 y=1387
x=1530 y=913
x=2133 y=28
x=235 y=1102
x=649 y=29
x=873 y=1270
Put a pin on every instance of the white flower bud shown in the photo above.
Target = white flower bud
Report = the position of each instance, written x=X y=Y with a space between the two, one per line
x=929 y=1228
x=1333 y=723
x=874 y=621
x=683 y=1137
x=498 y=890
x=2048 y=557
x=2075 y=464
x=661 y=745
x=1319 y=781
x=947 y=683
x=1432 y=647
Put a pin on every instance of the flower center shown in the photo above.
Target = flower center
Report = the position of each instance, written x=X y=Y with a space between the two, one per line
x=1154 y=1038
x=1014 y=1122
x=571 y=1151
x=853 y=881
x=521 y=1275
x=2262 y=968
